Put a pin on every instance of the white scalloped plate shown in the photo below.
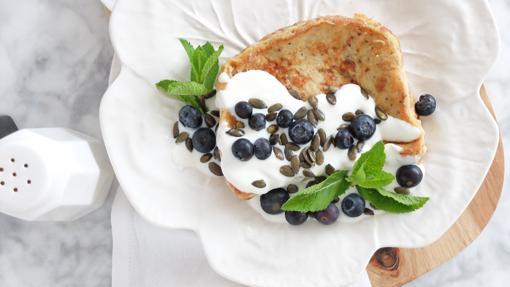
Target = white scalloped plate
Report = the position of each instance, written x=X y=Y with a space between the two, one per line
x=448 y=48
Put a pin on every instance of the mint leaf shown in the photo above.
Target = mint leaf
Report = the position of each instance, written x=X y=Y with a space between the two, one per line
x=207 y=48
x=211 y=69
x=376 y=180
x=391 y=201
x=319 y=196
x=183 y=91
x=190 y=51
x=371 y=161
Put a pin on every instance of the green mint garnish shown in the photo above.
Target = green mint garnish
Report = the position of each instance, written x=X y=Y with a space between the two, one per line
x=367 y=176
x=204 y=70
x=318 y=196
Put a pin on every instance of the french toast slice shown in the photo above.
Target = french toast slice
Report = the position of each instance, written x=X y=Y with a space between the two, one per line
x=316 y=56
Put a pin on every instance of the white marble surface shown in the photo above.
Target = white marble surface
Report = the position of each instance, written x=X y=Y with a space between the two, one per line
x=54 y=61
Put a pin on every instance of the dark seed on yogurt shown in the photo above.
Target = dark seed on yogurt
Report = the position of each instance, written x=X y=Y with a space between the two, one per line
x=329 y=169
x=292 y=188
x=189 y=144
x=287 y=171
x=368 y=211
x=327 y=144
x=322 y=136
x=271 y=117
x=311 y=117
x=301 y=113
x=217 y=154
x=215 y=113
x=259 y=183
x=181 y=137
x=360 y=145
x=331 y=98
x=364 y=93
x=274 y=108
x=295 y=163
x=352 y=153
x=257 y=103
x=274 y=138
x=240 y=125
x=175 y=130
x=288 y=154
x=402 y=190
x=308 y=173
x=283 y=139
x=319 y=157
x=278 y=153
x=348 y=116
x=380 y=114
x=272 y=129
x=358 y=112
x=235 y=132
x=210 y=121
x=292 y=146
x=215 y=169
x=313 y=101
x=205 y=157
x=316 y=141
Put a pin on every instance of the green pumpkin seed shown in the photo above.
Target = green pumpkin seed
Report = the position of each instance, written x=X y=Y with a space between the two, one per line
x=206 y=157
x=319 y=157
x=311 y=117
x=257 y=103
x=217 y=154
x=182 y=137
x=308 y=173
x=348 y=116
x=331 y=98
x=240 y=125
x=342 y=126
x=311 y=182
x=316 y=143
x=327 y=144
x=215 y=169
x=311 y=155
x=329 y=169
x=320 y=179
x=215 y=113
x=295 y=94
x=272 y=129
x=210 y=121
x=360 y=145
x=259 y=183
x=319 y=115
x=288 y=153
x=175 y=130
x=301 y=113
x=292 y=188
x=189 y=144
x=364 y=93
x=292 y=146
x=402 y=190
x=202 y=104
x=294 y=163
x=274 y=108
x=306 y=158
x=358 y=112
x=352 y=153
x=368 y=211
x=273 y=139
x=271 y=117
x=380 y=114
x=322 y=136
x=287 y=170
x=305 y=165
x=278 y=153
x=235 y=132
x=313 y=102
x=283 y=139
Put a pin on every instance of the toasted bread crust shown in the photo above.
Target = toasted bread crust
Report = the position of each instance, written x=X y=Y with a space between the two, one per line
x=314 y=56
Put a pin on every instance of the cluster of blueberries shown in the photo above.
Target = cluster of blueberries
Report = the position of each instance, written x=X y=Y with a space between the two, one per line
x=203 y=139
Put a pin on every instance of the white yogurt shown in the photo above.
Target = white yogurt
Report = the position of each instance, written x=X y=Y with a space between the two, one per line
x=262 y=85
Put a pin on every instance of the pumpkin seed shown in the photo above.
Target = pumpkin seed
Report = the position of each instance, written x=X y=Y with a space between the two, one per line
x=313 y=101
x=402 y=190
x=308 y=173
x=320 y=179
x=287 y=170
x=319 y=157
x=288 y=153
x=377 y=121
x=292 y=146
x=358 y=112
x=235 y=132
x=206 y=157
x=283 y=139
x=181 y=137
x=311 y=117
x=203 y=106
x=272 y=129
x=311 y=155
x=364 y=93
x=292 y=188
x=307 y=158
x=301 y=113
x=211 y=94
x=322 y=136
x=327 y=144
x=257 y=103
x=259 y=183
x=348 y=116
x=316 y=143
x=217 y=154
x=360 y=145
x=319 y=115
x=311 y=182
x=329 y=169
x=352 y=153
x=240 y=125
x=271 y=117
x=368 y=211
x=215 y=113
x=342 y=126
x=215 y=169
x=294 y=94
x=274 y=108
x=380 y=114
x=331 y=98
x=294 y=163
x=273 y=139
x=216 y=128
x=210 y=121
x=189 y=144
x=305 y=165
x=175 y=130
x=278 y=153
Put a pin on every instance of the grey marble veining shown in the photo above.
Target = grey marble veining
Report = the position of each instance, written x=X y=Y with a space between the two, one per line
x=54 y=63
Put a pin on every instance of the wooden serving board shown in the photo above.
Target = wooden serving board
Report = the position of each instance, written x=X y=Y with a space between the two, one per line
x=391 y=267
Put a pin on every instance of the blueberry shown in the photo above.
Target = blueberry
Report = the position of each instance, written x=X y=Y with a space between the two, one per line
x=296 y=217
x=242 y=149
x=362 y=127
x=301 y=131
x=328 y=215
x=426 y=105
x=353 y=205
x=409 y=175
x=190 y=117
x=284 y=118
x=272 y=201
x=257 y=121
x=262 y=148
x=204 y=140
x=243 y=110
x=344 y=139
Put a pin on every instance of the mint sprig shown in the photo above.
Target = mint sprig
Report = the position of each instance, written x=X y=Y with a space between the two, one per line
x=368 y=177
x=204 y=70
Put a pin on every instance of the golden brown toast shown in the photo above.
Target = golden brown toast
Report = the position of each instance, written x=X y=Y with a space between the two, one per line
x=311 y=57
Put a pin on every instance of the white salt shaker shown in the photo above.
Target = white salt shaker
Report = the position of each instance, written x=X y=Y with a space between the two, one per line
x=52 y=174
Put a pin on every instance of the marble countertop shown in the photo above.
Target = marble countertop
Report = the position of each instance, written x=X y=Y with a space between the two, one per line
x=54 y=63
